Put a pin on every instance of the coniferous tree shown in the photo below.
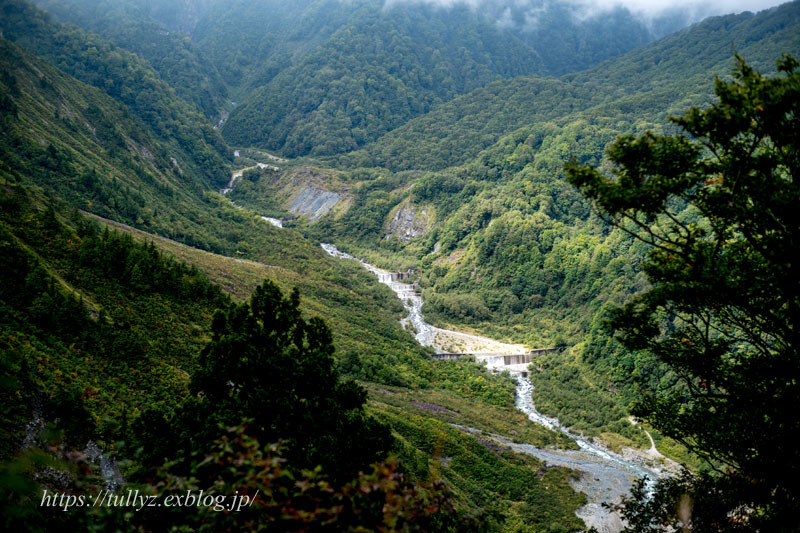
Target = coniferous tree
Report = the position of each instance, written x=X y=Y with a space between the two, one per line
x=720 y=207
x=267 y=363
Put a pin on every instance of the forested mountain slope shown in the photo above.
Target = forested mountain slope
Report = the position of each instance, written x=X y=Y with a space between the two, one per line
x=570 y=37
x=77 y=143
x=663 y=77
x=171 y=53
x=373 y=74
x=197 y=149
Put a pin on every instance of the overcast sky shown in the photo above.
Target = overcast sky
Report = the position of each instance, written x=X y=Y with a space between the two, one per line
x=701 y=8
x=715 y=7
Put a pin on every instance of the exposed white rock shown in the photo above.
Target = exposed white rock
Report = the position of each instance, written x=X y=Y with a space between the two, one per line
x=408 y=222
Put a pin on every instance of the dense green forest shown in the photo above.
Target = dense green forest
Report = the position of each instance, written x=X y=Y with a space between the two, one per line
x=512 y=249
x=325 y=77
x=139 y=301
x=175 y=57
x=372 y=76
x=121 y=74
x=648 y=83
x=717 y=207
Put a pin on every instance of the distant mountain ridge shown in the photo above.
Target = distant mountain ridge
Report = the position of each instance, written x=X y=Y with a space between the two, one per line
x=324 y=77
x=675 y=70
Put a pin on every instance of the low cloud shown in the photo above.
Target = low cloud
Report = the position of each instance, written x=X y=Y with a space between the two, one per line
x=693 y=10
x=699 y=8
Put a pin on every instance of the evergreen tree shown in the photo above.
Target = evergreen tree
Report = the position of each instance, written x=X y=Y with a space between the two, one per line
x=720 y=207
x=267 y=363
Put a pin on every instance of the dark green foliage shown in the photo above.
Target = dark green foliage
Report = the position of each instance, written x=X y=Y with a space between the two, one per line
x=126 y=78
x=720 y=211
x=570 y=43
x=709 y=503
x=250 y=41
x=267 y=363
x=253 y=487
x=562 y=389
x=643 y=85
x=379 y=70
x=171 y=53
x=87 y=316
x=490 y=475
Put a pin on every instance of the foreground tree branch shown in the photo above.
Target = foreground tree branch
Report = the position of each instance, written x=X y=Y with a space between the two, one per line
x=724 y=307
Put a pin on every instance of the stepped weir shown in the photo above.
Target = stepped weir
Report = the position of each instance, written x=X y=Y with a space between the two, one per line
x=497 y=359
x=496 y=362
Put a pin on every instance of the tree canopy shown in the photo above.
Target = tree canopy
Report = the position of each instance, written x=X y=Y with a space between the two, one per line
x=267 y=363
x=720 y=207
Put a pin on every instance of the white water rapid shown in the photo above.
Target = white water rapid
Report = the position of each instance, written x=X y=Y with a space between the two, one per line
x=605 y=476
x=406 y=292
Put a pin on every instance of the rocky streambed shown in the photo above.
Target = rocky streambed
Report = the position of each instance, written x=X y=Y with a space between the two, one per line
x=603 y=475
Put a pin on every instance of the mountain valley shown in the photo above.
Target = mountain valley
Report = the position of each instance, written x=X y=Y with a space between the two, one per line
x=170 y=170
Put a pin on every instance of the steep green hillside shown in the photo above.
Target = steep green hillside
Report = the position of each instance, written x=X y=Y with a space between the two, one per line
x=326 y=77
x=189 y=139
x=77 y=143
x=457 y=131
x=94 y=324
x=171 y=53
x=251 y=41
x=655 y=80
x=372 y=75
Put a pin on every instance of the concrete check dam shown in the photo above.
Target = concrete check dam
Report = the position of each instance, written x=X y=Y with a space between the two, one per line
x=605 y=476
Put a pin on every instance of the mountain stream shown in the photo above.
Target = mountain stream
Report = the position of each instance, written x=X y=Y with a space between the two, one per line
x=605 y=476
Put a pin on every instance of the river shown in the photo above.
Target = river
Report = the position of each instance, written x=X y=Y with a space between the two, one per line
x=423 y=332
x=605 y=476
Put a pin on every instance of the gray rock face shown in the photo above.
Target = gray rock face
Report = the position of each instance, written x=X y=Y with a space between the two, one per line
x=109 y=471
x=408 y=224
x=313 y=202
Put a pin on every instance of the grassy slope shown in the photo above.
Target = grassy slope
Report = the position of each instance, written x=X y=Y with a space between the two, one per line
x=515 y=252
x=77 y=325
x=478 y=472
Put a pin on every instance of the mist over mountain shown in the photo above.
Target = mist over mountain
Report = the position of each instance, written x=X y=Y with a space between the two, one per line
x=169 y=169
x=585 y=31
x=523 y=13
